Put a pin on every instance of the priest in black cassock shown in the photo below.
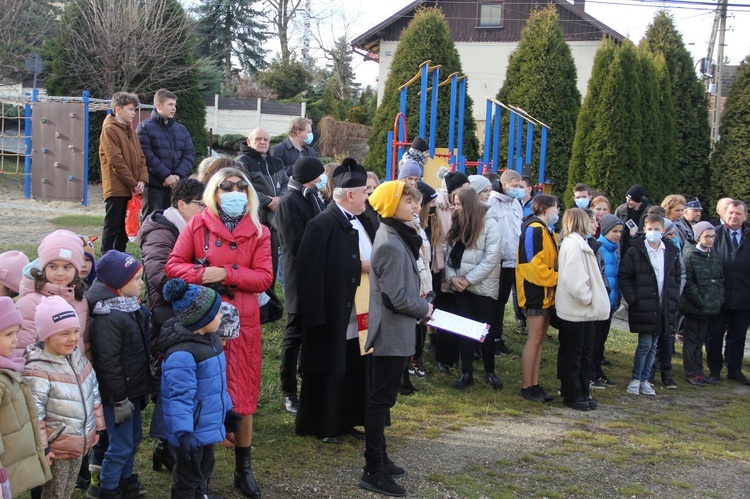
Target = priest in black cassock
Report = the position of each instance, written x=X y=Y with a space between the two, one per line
x=334 y=253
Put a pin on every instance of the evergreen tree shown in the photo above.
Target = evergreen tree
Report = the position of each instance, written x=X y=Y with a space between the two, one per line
x=730 y=161
x=426 y=38
x=230 y=30
x=669 y=172
x=653 y=178
x=587 y=117
x=541 y=79
x=285 y=79
x=692 y=143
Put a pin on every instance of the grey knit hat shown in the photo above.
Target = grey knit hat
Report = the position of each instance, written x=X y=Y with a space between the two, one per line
x=608 y=222
x=700 y=228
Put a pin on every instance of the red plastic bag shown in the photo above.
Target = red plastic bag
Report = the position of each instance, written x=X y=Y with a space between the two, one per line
x=132 y=223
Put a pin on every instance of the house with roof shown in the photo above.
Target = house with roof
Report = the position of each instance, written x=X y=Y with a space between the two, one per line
x=485 y=33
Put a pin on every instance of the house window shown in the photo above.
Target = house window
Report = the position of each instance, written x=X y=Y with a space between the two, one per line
x=491 y=15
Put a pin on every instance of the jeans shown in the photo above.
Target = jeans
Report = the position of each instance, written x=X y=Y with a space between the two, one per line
x=190 y=478
x=694 y=334
x=644 y=356
x=384 y=376
x=114 y=235
x=290 y=347
x=574 y=358
x=482 y=309
x=124 y=439
x=735 y=323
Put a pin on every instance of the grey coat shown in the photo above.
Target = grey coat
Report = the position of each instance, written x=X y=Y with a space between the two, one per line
x=394 y=296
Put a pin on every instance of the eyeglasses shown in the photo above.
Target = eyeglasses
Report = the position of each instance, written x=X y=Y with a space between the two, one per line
x=229 y=186
x=199 y=203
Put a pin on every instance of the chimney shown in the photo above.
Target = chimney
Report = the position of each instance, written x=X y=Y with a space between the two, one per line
x=581 y=4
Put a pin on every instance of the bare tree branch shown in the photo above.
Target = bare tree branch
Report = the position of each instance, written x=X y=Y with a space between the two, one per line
x=281 y=13
x=24 y=25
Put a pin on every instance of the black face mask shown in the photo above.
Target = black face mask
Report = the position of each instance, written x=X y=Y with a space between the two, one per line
x=433 y=209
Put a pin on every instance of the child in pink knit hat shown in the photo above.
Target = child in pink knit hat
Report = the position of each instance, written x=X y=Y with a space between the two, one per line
x=11 y=272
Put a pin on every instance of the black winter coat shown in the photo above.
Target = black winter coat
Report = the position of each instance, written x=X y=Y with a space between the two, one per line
x=268 y=177
x=328 y=273
x=288 y=154
x=646 y=313
x=295 y=210
x=638 y=216
x=704 y=287
x=167 y=147
x=736 y=268
x=119 y=346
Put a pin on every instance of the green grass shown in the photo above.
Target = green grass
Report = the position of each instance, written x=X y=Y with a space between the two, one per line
x=77 y=222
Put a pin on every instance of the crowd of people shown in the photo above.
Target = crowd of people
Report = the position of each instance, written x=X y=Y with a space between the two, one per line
x=363 y=264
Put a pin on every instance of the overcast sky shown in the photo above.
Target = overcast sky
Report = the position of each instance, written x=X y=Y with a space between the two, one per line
x=631 y=18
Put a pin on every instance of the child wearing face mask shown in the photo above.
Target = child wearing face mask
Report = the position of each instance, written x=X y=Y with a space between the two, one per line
x=649 y=279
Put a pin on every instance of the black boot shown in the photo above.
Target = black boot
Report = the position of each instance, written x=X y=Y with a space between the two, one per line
x=243 y=473
x=110 y=494
x=130 y=488
x=162 y=456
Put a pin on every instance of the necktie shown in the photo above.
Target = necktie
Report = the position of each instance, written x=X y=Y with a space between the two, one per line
x=349 y=217
x=735 y=239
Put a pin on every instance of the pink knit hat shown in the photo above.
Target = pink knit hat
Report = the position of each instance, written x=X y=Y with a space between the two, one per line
x=61 y=245
x=11 y=269
x=9 y=316
x=54 y=314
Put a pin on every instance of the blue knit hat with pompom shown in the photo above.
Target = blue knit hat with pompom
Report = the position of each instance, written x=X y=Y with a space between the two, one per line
x=195 y=306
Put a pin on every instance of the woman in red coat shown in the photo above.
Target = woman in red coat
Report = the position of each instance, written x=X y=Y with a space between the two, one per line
x=228 y=248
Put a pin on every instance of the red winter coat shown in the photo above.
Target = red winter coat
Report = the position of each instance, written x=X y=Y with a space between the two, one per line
x=247 y=260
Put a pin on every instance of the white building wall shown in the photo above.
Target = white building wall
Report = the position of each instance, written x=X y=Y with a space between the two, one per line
x=242 y=121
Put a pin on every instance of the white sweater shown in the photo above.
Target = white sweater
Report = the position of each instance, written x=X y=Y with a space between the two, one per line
x=580 y=295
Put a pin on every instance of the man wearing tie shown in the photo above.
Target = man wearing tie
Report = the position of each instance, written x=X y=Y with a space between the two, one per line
x=733 y=247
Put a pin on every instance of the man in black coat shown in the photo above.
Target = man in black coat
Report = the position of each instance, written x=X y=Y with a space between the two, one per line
x=168 y=150
x=334 y=253
x=270 y=182
x=732 y=245
x=296 y=145
x=295 y=210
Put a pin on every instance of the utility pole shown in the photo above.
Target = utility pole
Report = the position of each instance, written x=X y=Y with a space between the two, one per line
x=718 y=76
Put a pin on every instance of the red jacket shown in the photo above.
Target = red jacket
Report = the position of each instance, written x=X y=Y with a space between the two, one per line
x=247 y=260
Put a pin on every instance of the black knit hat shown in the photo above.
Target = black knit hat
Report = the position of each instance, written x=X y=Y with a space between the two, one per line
x=307 y=169
x=454 y=180
x=636 y=193
x=420 y=144
x=195 y=306
x=428 y=193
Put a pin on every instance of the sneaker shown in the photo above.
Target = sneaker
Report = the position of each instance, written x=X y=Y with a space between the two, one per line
x=466 y=379
x=540 y=391
x=443 y=368
x=646 y=388
x=418 y=368
x=714 y=376
x=291 y=403
x=696 y=381
x=531 y=394
x=592 y=403
x=597 y=384
x=580 y=404
x=393 y=469
x=739 y=377
x=709 y=381
x=607 y=382
x=382 y=483
x=669 y=384
x=501 y=348
x=412 y=372
x=634 y=387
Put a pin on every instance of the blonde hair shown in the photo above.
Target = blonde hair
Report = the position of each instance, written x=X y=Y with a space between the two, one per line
x=509 y=176
x=575 y=220
x=298 y=125
x=212 y=186
x=671 y=201
x=209 y=166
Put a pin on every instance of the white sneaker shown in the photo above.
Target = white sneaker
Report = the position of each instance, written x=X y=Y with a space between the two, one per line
x=634 y=387
x=646 y=388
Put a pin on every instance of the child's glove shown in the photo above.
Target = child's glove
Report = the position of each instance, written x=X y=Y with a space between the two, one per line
x=5 y=484
x=123 y=410
x=232 y=421
x=186 y=450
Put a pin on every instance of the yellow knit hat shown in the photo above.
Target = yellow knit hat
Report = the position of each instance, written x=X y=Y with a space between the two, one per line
x=386 y=196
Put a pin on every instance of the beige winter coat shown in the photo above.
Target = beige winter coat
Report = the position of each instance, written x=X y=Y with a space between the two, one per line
x=581 y=295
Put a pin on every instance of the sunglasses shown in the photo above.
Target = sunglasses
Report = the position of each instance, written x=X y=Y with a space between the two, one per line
x=229 y=186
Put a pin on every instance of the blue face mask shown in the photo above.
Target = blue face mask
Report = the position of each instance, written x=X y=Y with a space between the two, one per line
x=582 y=203
x=676 y=242
x=517 y=193
x=309 y=138
x=233 y=203
x=554 y=219
x=653 y=236
x=321 y=184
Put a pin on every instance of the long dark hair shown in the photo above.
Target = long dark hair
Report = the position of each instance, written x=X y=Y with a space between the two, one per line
x=40 y=280
x=467 y=225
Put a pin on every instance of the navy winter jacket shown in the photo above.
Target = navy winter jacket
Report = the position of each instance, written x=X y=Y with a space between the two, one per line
x=167 y=147
x=193 y=385
x=609 y=253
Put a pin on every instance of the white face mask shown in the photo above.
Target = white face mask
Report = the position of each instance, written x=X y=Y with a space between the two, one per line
x=653 y=236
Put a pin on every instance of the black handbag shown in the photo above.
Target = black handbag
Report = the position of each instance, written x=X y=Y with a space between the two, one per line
x=273 y=309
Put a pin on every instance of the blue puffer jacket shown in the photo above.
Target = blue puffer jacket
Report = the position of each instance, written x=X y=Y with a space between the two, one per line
x=609 y=253
x=193 y=385
x=167 y=147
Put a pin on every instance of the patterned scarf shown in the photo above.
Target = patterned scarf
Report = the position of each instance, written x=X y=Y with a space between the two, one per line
x=229 y=222
x=125 y=304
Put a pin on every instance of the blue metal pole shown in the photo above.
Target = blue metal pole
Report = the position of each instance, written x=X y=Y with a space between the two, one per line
x=529 y=142
x=452 y=121
x=519 y=142
x=389 y=155
x=423 y=102
x=434 y=110
x=27 y=140
x=496 y=139
x=487 y=132
x=85 y=148
x=461 y=112
x=511 y=138
x=543 y=155
x=402 y=103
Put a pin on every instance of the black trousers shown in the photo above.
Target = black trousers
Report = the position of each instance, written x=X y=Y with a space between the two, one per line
x=482 y=309
x=113 y=232
x=154 y=199
x=384 y=376
x=190 y=478
x=290 y=348
x=694 y=333
x=574 y=358
x=601 y=333
x=507 y=284
x=735 y=323
x=446 y=344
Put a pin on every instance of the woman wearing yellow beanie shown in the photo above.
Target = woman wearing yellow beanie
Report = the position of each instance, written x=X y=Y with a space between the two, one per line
x=394 y=305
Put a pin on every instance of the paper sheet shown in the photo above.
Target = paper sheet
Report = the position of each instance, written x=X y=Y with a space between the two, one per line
x=458 y=325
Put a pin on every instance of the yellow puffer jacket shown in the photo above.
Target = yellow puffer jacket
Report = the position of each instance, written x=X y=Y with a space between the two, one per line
x=536 y=267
